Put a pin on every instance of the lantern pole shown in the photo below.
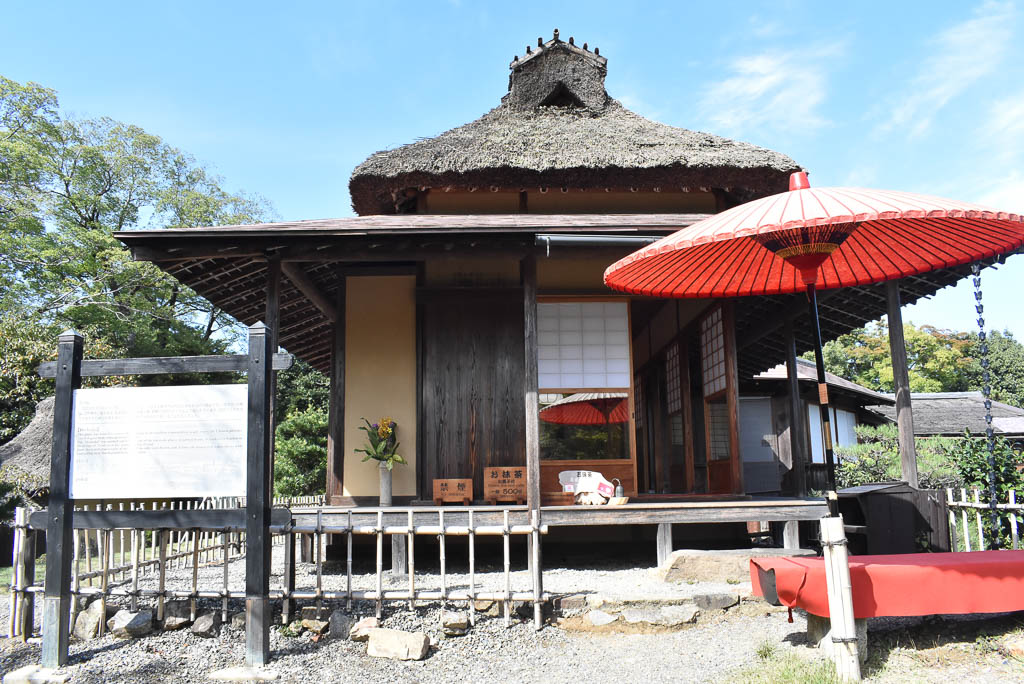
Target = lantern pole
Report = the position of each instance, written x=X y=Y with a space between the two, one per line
x=819 y=362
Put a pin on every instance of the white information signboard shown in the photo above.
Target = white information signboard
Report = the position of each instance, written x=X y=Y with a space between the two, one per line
x=156 y=442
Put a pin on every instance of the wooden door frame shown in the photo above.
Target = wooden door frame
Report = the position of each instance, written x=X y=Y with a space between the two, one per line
x=630 y=396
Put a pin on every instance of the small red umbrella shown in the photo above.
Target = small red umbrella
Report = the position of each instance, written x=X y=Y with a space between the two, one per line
x=820 y=238
x=587 y=408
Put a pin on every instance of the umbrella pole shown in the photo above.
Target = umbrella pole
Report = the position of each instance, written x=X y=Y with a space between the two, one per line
x=819 y=362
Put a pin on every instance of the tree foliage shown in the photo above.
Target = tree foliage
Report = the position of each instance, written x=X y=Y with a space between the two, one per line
x=876 y=458
x=300 y=453
x=937 y=360
x=66 y=186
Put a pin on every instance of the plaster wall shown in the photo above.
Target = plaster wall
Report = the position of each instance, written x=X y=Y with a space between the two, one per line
x=380 y=375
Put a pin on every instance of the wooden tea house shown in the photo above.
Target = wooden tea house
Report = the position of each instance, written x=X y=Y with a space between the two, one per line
x=467 y=297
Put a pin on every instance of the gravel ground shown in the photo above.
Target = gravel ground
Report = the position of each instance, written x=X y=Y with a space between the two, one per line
x=718 y=649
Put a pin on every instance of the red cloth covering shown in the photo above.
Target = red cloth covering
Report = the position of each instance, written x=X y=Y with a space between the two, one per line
x=903 y=585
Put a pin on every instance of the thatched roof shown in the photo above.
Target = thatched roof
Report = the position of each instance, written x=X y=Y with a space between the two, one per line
x=558 y=127
x=950 y=413
x=26 y=458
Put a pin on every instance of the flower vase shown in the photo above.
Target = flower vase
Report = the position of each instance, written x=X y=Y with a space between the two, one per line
x=385 y=485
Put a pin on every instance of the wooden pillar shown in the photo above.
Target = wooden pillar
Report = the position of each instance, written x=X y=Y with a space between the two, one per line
x=257 y=505
x=791 y=534
x=531 y=406
x=273 y=324
x=901 y=382
x=732 y=398
x=797 y=416
x=57 y=588
x=664 y=543
x=288 y=605
x=336 y=411
x=528 y=270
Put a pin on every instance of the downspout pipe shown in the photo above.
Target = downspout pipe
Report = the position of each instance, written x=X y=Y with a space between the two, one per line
x=546 y=241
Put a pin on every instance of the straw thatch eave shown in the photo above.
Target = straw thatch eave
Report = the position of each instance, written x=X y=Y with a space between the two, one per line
x=514 y=148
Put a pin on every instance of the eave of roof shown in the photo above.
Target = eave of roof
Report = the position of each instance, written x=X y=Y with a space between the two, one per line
x=412 y=224
x=806 y=372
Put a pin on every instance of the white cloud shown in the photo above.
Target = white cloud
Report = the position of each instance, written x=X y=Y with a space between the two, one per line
x=777 y=90
x=1004 y=129
x=1004 y=192
x=964 y=53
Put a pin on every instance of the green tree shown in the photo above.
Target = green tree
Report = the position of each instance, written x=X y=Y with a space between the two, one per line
x=300 y=465
x=876 y=458
x=1006 y=366
x=66 y=185
x=937 y=360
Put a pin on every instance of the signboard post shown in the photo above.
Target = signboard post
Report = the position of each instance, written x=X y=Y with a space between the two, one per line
x=257 y=504
x=57 y=588
x=202 y=441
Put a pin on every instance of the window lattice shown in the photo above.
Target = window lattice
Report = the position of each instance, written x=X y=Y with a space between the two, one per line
x=638 y=402
x=718 y=431
x=673 y=393
x=583 y=345
x=712 y=351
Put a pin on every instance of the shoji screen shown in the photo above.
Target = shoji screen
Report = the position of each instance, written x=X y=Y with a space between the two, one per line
x=583 y=345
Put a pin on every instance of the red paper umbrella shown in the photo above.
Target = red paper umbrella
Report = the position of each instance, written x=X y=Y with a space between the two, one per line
x=813 y=239
x=826 y=237
x=588 y=408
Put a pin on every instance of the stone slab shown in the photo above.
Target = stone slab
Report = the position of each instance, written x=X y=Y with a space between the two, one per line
x=719 y=565
x=33 y=674
x=396 y=644
x=244 y=673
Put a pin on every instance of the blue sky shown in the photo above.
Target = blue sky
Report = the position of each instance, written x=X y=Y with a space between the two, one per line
x=284 y=99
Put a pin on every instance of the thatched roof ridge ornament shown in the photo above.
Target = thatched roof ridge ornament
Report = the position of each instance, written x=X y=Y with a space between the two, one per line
x=558 y=127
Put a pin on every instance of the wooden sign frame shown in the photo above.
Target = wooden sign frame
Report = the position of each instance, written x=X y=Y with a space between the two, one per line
x=505 y=483
x=453 y=490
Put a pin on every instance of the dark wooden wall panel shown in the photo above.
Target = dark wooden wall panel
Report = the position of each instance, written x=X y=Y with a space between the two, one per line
x=472 y=384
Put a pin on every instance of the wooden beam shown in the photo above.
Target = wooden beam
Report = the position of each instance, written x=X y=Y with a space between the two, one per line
x=797 y=430
x=232 y=519
x=732 y=398
x=57 y=587
x=304 y=284
x=901 y=382
x=528 y=271
x=257 y=533
x=776 y=320
x=336 y=402
x=233 y=363
x=339 y=249
x=272 y=319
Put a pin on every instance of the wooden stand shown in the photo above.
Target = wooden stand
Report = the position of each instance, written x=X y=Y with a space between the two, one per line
x=507 y=484
x=453 y=491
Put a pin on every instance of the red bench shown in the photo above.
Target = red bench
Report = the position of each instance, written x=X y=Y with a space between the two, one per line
x=900 y=585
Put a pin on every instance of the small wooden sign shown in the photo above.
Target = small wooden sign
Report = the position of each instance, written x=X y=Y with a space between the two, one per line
x=453 y=491
x=505 y=483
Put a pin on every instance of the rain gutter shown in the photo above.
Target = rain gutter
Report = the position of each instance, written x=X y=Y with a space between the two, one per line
x=634 y=241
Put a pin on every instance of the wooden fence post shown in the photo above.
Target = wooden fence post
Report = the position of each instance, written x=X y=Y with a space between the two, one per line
x=257 y=504
x=57 y=589
x=840 y=599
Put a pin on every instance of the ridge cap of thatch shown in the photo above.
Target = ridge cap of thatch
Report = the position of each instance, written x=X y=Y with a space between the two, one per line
x=558 y=126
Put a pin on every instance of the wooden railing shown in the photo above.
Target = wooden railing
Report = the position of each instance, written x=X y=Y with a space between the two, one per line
x=114 y=561
x=969 y=518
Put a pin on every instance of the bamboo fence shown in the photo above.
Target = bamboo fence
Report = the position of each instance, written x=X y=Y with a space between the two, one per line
x=109 y=563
